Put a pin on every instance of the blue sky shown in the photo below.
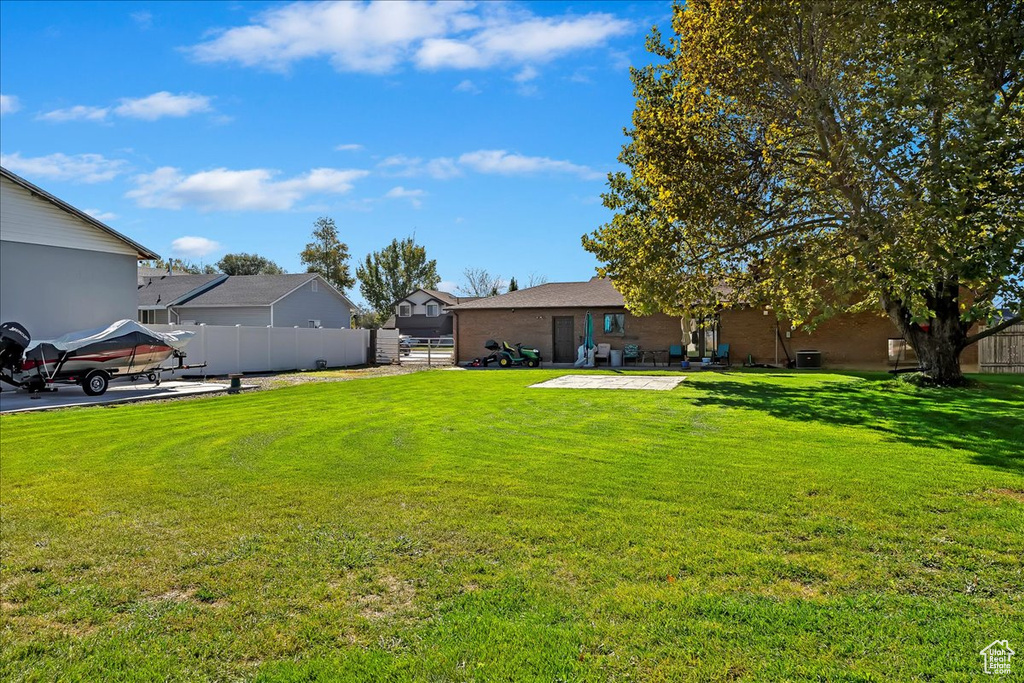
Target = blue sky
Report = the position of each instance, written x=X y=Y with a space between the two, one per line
x=200 y=129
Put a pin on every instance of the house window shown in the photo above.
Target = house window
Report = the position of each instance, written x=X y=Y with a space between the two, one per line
x=614 y=323
x=147 y=317
x=314 y=323
x=433 y=310
x=404 y=310
x=314 y=286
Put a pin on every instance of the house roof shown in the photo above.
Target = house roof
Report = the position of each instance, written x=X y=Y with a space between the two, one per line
x=142 y=252
x=167 y=290
x=443 y=297
x=446 y=298
x=594 y=293
x=257 y=290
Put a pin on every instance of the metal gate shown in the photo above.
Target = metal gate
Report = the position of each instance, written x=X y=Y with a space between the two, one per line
x=396 y=348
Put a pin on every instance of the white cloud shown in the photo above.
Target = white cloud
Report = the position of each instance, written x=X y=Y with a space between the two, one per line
x=194 y=247
x=9 y=104
x=399 y=165
x=379 y=37
x=84 y=168
x=150 y=108
x=528 y=73
x=101 y=215
x=414 y=196
x=498 y=161
x=468 y=86
x=225 y=190
x=487 y=161
x=144 y=20
x=351 y=147
x=76 y=113
x=161 y=104
x=366 y=37
x=447 y=286
x=532 y=39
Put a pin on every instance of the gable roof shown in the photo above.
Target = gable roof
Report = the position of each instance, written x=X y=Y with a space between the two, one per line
x=142 y=252
x=168 y=290
x=446 y=298
x=443 y=297
x=257 y=290
x=594 y=293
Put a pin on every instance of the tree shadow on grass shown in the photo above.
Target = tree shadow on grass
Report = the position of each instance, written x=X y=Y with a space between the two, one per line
x=987 y=421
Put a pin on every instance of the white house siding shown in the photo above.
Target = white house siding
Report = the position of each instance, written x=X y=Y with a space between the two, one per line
x=247 y=316
x=33 y=220
x=303 y=305
x=53 y=290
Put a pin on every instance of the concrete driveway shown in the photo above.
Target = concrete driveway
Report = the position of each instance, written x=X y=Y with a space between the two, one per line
x=70 y=395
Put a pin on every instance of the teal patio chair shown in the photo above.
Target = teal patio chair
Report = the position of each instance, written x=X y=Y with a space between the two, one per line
x=722 y=354
x=630 y=352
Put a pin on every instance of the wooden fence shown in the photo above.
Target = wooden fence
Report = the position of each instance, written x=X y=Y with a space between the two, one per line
x=1003 y=351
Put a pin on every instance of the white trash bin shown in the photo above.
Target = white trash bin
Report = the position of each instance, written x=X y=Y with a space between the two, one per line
x=615 y=358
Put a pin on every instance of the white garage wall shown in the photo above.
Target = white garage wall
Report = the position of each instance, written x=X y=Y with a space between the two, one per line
x=227 y=350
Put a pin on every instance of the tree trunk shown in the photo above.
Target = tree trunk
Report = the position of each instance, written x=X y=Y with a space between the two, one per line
x=938 y=342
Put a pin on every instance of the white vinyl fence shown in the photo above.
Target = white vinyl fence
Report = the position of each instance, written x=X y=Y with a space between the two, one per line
x=227 y=350
x=388 y=350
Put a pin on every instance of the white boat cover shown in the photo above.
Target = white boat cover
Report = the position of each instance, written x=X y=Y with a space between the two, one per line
x=76 y=340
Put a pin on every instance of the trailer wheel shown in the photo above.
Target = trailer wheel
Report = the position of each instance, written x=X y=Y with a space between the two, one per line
x=96 y=382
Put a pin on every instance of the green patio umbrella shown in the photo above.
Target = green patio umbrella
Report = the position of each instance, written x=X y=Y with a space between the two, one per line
x=588 y=337
x=585 y=358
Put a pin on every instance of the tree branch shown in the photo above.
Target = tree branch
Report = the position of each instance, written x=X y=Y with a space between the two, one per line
x=992 y=330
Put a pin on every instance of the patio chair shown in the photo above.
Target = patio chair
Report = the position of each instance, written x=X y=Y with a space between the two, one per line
x=630 y=352
x=603 y=351
x=675 y=351
x=722 y=354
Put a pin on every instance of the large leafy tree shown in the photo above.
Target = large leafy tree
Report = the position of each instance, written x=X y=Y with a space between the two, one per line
x=248 y=264
x=828 y=156
x=391 y=273
x=328 y=255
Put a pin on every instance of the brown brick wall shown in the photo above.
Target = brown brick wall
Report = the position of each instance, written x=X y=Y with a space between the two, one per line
x=535 y=327
x=846 y=341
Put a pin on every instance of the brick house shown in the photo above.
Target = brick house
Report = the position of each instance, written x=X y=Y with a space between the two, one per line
x=551 y=316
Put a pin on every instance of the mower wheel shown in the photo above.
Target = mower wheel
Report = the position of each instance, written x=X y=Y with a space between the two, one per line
x=531 y=363
x=504 y=362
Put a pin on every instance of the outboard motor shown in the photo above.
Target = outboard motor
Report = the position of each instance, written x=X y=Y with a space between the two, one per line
x=14 y=339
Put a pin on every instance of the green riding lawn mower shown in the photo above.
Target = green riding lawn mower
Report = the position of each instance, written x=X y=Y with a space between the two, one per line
x=508 y=356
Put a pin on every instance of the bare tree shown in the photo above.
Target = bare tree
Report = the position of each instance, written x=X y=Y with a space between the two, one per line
x=536 y=279
x=478 y=282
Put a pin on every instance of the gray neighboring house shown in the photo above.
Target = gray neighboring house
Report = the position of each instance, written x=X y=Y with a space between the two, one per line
x=291 y=300
x=61 y=270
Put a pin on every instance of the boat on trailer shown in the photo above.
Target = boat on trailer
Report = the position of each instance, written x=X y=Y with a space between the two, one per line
x=92 y=358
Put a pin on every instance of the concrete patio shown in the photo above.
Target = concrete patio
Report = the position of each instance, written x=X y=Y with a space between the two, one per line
x=639 y=382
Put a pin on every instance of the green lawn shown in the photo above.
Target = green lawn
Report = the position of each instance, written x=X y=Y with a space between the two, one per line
x=457 y=526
